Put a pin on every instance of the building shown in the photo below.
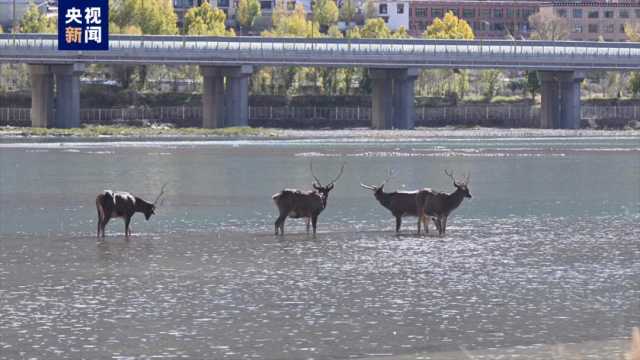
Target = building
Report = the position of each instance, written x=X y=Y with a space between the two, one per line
x=395 y=13
x=596 y=20
x=21 y=6
x=489 y=19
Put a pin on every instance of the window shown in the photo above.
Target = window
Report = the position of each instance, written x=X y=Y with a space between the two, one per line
x=223 y=3
x=498 y=13
x=485 y=13
x=469 y=13
x=609 y=28
x=593 y=28
x=510 y=13
x=480 y=25
x=577 y=13
x=577 y=28
x=562 y=13
x=624 y=14
x=638 y=13
x=265 y=4
x=593 y=14
x=436 y=13
x=291 y=5
x=382 y=9
x=421 y=12
x=622 y=28
x=400 y=8
x=608 y=14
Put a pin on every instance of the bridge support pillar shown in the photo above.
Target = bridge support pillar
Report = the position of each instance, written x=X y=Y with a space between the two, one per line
x=560 y=99
x=212 y=97
x=392 y=102
x=42 y=114
x=68 y=95
x=225 y=97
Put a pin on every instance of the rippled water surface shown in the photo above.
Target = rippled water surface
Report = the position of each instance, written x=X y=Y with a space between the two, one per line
x=546 y=252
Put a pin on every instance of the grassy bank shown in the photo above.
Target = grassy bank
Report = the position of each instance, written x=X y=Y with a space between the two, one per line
x=130 y=131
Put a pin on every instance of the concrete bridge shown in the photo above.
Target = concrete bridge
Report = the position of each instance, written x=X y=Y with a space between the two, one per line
x=393 y=64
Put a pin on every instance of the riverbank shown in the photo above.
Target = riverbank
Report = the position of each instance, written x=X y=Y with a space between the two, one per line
x=164 y=132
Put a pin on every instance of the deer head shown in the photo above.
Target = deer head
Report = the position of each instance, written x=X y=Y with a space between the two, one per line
x=462 y=186
x=378 y=190
x=324 y=190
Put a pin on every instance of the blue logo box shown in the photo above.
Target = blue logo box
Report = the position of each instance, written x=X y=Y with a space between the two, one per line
x=83 y=25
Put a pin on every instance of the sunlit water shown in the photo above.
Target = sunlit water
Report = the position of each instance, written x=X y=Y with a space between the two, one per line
x=546 y=252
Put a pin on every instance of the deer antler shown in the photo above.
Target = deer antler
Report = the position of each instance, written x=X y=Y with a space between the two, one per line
x=161 y=192
x=340 y=173
x=314 y=175
x=450 y=174
x=390 y=175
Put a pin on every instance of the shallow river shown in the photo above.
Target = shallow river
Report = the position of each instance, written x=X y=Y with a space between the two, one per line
x=546 y=252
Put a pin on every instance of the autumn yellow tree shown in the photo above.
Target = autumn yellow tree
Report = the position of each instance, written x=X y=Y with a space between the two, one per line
x=450 y=27
x=33 y=21
x=206 y=20
x=154 y=17
x=248 y=11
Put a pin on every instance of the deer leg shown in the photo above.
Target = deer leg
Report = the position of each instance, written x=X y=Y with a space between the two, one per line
x=314 y=222
x=419 y=223
x=126 y=226
x=104 y=224
x=99 y=223
x=444 y=224
x=279 y=224
x=425 y=220
x=308 y=223
x=398 y=223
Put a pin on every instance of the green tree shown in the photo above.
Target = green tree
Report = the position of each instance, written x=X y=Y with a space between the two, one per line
x=33 y=21
x=205 y=20
x=634 y=84
x=491 y=80
x=533 y=83
x=248 y=11
x=450 y=27
x=347 y=11
x=291 y=25
x=325 y=12
x=156 y=17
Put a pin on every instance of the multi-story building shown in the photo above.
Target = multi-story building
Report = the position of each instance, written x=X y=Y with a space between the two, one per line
x=596 y=20
x=489 y=19
x=394 y=12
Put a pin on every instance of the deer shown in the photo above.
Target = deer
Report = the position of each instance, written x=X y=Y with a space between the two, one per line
x=440 y=205
x=121 y=204
x=400 y=203
x=304 y=204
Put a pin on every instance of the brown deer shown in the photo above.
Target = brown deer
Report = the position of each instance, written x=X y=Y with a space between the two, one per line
x=303 y=204
x=122 y=204
x=440 y=205
x=400 y=203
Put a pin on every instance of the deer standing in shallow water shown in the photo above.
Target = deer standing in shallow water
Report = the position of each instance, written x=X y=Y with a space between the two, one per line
x=400 y=203
x=122 y=204
x=303 y=204
x=440 y=205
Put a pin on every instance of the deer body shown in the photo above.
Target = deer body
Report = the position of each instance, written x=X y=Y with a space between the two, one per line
x=120 y=204
x=303 y=204
x=400 y=203
x=439 y=205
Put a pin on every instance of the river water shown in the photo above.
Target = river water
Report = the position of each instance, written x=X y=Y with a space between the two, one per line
x=546 y=252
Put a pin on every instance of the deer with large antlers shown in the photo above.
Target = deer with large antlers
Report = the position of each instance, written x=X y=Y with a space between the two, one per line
x=115 y=204
x=400 y=203
x=440 y=205
x=304 y=204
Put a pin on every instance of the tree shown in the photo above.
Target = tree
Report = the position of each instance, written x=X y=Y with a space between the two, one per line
x=401 y=33
x=1 y=31
x=325 y=12
x=375 y=29
x=634 y=84
x=632 y=31
x=548 y=26
x=533 y=83
x=370 y=10
x=248 y=11
x=205 y=20
x=291 y=25
x=347 y=11
x=491 y=80
x=450 y=27
x=155 y=17
x=33 y=21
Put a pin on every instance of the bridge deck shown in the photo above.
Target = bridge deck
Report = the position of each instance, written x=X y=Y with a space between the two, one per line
x=387 y=53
